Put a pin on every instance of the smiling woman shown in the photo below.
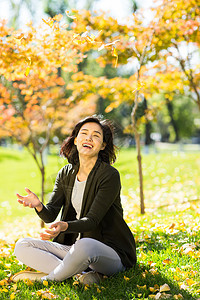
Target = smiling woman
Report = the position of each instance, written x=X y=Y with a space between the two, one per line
x=92 y=234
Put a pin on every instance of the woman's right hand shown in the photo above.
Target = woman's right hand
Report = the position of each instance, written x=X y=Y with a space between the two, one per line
x=31 y=200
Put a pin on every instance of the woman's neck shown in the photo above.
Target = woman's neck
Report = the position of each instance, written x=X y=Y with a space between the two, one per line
x=85 y=168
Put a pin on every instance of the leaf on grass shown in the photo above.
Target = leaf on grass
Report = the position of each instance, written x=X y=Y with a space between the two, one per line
x=158 y=295
x=166 y=261
x=3 y=282
x=46 y=294
x=151 y=263
x=126 y=278
x=76 y=282
x=179 y=296
x=45 y=283
x=12 y=296
x=183 y=286
x=98 y=290
x=28 y=282
x=142 y=287
x=190 y=281
x=153 y=271
x=164 y=288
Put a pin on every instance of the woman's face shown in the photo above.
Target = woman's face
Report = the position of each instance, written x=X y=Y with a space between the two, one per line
x=89 y=140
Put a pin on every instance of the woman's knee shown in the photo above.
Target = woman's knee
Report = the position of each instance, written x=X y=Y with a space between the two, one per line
x=85 y=246
x=21 y=244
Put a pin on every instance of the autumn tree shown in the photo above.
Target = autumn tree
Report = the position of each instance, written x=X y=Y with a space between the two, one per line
x=33 y=96
x=151 y=48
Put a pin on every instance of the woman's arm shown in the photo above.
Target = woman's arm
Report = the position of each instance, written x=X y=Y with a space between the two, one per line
x=31 y=200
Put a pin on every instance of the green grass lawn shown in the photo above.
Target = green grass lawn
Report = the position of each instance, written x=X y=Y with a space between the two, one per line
x=167 y=236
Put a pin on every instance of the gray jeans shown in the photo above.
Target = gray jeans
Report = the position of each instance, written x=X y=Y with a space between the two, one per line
x=61 y=262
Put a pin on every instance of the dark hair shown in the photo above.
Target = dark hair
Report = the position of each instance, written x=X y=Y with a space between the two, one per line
x=69 y=150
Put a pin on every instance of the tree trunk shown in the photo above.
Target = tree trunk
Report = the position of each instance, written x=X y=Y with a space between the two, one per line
x=139 y=158
x=42 y=170
x=173 y=122
x=148 y=128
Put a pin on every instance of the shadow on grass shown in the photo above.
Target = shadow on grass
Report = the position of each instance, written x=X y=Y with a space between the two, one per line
x=128 y=285
x=132 y=284
x=9 y=156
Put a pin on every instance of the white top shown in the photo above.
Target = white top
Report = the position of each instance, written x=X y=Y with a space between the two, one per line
x=77 y=195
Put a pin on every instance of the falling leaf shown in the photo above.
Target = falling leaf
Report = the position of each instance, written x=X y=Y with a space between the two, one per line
x=27 y=71
x=172 y=226
x=114 y=53
x=71 y=17
x=164 y=288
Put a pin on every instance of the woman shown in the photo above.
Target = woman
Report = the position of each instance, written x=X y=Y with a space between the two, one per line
x=92 y=232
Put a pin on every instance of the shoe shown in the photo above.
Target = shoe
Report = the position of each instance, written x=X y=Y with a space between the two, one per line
x=33 y=276
x=90 y=278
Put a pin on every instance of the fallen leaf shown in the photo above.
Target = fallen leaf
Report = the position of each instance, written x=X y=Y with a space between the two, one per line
x=164 y=288
x=166 y=261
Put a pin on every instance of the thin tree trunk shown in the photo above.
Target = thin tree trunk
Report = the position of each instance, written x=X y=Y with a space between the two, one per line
x=42 y=170
x=139 y=158
x=172 y=121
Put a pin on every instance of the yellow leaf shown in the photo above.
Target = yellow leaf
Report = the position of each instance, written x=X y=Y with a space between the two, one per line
x=164 y=288
x=114 y=53
x=45 y=283
x=142 y=287
x=86 y=287
x=179 y=296
x=3 y=282
x=28 y=281
x=27 y=71
x=126 y=278
x=12 y=296
x=190 y=281
x=153 y=271
x=98 y=290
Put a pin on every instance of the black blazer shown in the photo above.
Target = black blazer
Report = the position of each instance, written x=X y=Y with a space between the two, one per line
x=101 y=215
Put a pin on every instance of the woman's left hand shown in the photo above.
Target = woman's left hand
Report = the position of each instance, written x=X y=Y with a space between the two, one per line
x=53 y=230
